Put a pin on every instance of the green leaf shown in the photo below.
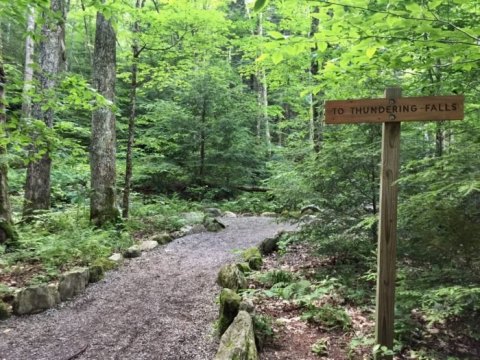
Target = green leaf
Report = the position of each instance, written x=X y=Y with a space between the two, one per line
x=371 y=51
x=322 y=46
x=276 y=35
x=277 y=58
x=414 y=8
x=259 y=5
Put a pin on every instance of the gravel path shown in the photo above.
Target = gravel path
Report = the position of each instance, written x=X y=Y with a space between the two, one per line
x=159 y=306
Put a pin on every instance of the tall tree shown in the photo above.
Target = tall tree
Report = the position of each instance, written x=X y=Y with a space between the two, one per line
x=52 y=61
x=136 y=51
x=103 y=207
x=7 y=233
x=28 y=69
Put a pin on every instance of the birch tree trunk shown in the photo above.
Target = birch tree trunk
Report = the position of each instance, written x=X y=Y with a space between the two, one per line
x=28 y=70
x=262 y=96
x=7 y=232
x=51 y=62
x=103 y=207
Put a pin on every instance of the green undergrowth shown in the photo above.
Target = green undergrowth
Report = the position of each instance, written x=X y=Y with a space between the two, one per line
x=437 y=307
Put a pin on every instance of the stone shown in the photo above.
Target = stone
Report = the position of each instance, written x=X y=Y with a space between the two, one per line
x=162 y=238
x=193 y=217
x=231 y=277
x=34 y=299
x=132 y=252
x=148 y=245
x=270 y=245
x=244 y=267
x=309 y=209
x=269 y=214
x=95 y=273
x=229 y=214
x=253 y=257
x=192 y=229
x=247 y=305
x=72 y=283
x=229 y=305
x=238 y=342
x=117 y=257
x=5 y=311
x=212 y=224
x=214 y=212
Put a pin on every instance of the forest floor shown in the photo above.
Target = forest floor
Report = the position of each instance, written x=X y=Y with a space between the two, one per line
x=158 y=306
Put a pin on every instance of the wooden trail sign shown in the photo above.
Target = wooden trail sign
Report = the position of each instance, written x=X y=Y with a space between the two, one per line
x=390 y=111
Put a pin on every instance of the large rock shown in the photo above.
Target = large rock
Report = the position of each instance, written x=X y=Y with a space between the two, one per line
x=212 y=224
x=253 y=257
x=162 y=238
x=270 y=245
x=229 y=214
x=132 y=252
x=148 y=245
x=238 y=342
x=34 y=299
x=269 y=214
x=194 y=217
x=229 y=306
x=214 y=212
x=73 y=283
x=231 y=277
x=117 y=258
x=4 y=311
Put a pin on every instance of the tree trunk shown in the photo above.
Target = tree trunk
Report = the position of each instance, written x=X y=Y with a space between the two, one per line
x=262 y=96
x=203 y=139
x=52 y=61
x=315 y=125
x=7 y=232
x=28 y=72
x=103 y=207
x=133 y=113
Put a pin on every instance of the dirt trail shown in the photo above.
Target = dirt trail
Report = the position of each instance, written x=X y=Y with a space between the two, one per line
x=159 y=306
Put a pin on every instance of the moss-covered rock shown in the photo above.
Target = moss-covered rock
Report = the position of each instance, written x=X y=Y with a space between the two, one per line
x=34 y=299
x=253 y=257
x=162 y=238
x=95 y=273
x=212 y=224
x=244 y=267
x=229 y=306
x=106 y=264
x=238 y=342
x=231 y=277
x=132 y=252
x=73 y=283
x=4 y=311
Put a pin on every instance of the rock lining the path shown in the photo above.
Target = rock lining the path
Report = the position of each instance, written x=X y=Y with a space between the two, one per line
x=158 y=306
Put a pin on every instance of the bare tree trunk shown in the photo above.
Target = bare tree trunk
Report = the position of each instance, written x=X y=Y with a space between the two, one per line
x=28 y=72
x=262 y=96
x=203 y=139
x=103 y=207
x=52 y=62
x=133 y=113
x=316 y=124
x=7 y=231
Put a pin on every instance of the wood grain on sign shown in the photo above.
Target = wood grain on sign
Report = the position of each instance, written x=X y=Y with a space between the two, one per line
x=426 y=108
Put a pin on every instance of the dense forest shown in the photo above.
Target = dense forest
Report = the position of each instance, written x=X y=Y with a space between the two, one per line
x=117 y=116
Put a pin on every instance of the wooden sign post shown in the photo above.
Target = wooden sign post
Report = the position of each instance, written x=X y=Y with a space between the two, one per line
x=390 y=111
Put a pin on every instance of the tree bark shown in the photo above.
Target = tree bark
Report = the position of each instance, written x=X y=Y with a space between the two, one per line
x=262 y=96
x=316 y=124
x=52 y=62
x=133 y=114
x=28 y=72
x=7 y=231
x=103 y=207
